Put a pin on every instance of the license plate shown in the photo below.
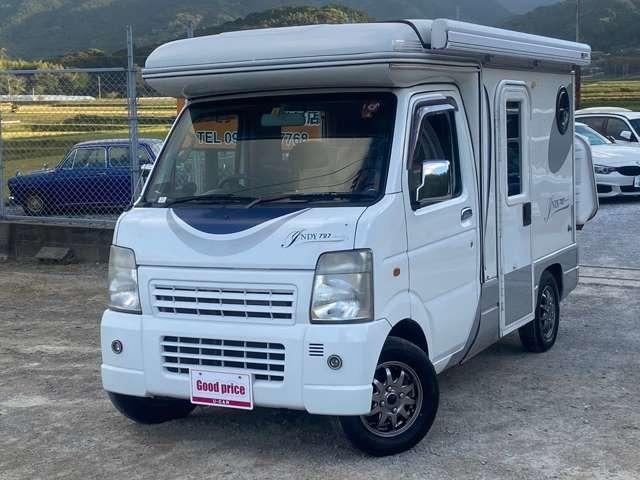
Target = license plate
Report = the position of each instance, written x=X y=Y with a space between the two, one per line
x=221 y=389
x=636 y=182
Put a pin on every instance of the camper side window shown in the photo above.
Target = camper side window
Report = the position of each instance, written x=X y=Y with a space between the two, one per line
x=437 y=142
x=514 y=148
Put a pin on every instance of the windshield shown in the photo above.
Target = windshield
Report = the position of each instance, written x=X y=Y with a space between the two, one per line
x=277 y=149
x=635 y=123
x=591 y=135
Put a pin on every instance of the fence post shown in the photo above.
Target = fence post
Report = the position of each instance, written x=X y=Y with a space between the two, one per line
x=132 y=97
x=3 y=179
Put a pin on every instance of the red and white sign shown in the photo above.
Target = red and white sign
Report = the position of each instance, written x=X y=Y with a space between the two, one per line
x=221 y=389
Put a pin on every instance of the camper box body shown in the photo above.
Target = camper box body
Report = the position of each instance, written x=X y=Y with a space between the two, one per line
x=451 y=276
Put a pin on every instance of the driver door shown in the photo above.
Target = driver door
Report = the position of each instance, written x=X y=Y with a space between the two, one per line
x=442 y=223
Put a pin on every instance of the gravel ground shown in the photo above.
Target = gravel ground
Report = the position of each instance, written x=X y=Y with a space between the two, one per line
x=572 y=413
x=611 y=239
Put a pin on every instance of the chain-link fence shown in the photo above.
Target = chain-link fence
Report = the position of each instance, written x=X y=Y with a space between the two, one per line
x=65 y=142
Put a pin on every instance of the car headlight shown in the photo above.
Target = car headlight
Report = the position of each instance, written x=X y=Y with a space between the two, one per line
x=123 y=280
x=343 y=288
x=603 y=169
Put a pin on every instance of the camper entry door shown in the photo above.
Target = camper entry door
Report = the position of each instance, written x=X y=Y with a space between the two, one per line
x=513 y=112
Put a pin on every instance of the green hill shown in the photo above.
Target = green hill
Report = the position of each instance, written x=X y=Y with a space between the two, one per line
x=49 y=28
x=607 y=25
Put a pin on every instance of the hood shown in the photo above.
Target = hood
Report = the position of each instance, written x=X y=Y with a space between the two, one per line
x=35 y=173
x=615 y=155
x=230 y=237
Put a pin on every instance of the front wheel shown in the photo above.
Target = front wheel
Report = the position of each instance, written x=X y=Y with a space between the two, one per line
x=404 y=402
x=35 y=205
x=150 y=410
x=540 y=335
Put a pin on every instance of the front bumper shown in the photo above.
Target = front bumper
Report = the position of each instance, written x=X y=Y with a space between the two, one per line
x=615 y=184
x=308 y=384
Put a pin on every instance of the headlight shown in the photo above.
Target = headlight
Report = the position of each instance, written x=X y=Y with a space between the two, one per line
x=123 y=280
x=603 y=169
x=343 y=288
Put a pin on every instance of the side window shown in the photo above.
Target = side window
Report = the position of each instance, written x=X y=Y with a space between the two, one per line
x=90 y=158
x=119 y=156
x=615 y=127
x=514 y=148
x=434 y=171
x=597 y=123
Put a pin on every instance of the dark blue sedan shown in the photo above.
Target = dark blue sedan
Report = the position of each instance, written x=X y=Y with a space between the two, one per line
x=94 y=176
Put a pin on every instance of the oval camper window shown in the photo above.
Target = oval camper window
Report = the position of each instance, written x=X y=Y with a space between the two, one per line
x=563 y=111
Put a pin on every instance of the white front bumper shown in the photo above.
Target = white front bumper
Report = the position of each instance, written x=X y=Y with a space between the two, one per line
x=614 y=184
x=308 y=383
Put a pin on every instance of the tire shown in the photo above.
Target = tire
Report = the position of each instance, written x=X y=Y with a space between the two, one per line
x=149 y=411
x=34 y=205
x=540 y=335
x=366 y=433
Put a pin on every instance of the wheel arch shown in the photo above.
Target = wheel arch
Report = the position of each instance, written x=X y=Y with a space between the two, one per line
x=556 y=271
x=411 y=331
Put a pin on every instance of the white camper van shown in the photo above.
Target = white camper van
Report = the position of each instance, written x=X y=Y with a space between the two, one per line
x=340 y=213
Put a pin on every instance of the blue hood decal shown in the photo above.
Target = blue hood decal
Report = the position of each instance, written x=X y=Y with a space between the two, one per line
x=226 y=220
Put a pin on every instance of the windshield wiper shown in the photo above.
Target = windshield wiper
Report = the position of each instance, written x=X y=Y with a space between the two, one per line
x=211 y=199
x=311 y=197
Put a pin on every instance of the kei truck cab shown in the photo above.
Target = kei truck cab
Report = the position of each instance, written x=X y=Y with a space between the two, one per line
x=340 y=213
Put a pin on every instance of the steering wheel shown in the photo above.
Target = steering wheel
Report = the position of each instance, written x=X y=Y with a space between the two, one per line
x=235 y=181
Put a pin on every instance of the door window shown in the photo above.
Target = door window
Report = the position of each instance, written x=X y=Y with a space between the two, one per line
x=437 y=141
x=597 y=123
x=514 y=148
x=615 y=127
x=90 y=158
x=119 y=156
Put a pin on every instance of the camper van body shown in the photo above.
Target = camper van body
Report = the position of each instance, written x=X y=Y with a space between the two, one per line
x=448 y=275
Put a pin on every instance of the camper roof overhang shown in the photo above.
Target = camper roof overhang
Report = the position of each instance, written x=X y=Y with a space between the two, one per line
x=355 y=55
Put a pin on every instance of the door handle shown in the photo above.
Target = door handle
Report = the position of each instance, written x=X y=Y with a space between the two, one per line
x=526 y=214
x=466 y=214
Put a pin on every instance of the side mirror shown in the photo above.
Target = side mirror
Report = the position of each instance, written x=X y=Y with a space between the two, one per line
x=627 y=136
x=436 y=181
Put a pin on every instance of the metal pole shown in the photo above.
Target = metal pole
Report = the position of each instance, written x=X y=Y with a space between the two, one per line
x=578 y=72
x=3 y=211
x=578 y=20
x=133 y=116
x=99 y=89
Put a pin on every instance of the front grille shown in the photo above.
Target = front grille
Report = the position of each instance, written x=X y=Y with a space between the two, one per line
x=262 y=359
x=629 y=189
x=629 y=171
x=262 y=305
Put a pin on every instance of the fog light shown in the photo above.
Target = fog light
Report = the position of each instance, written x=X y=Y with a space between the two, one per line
x=116 y=347
x=334 y=362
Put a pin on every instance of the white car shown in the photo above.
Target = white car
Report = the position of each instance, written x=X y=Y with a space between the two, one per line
x=617 y=166
x=619 y=124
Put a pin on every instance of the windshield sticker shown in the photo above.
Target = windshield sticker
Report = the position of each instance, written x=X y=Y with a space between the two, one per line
x=302 y=236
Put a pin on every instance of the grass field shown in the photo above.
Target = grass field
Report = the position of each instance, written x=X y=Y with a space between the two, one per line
x=612 y=94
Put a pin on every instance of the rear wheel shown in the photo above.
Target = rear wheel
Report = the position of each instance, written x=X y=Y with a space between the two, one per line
x=540 y=335
x=404 y=402
x=150 y=410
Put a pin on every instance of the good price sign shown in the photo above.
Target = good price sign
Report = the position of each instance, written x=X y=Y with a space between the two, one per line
x=222 y=389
